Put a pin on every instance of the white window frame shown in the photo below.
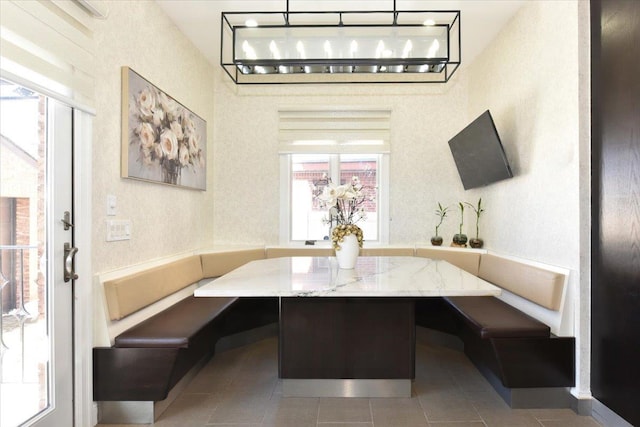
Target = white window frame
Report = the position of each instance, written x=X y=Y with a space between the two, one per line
x=285 y=202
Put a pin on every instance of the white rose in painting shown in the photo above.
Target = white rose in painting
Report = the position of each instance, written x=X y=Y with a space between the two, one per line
x=146 y=102
x=179 y=112
x=194 y=143
x=184 y=155
x=146 y=156
x=169 y=106
x=158 y=116
x=147 y=135
x=177 y=129
x=169 y=144
x=188 y=124
x=158 y=151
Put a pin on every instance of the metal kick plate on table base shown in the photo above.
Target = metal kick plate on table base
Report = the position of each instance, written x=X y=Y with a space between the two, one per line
x=346 y=388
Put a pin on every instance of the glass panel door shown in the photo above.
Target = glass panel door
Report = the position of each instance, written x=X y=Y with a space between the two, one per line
x=36 y=328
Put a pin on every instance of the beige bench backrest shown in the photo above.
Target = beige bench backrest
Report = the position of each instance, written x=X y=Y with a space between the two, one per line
x=289 y=252
x=386 y=252
x=541 y=286
x=216 y=264
x=129 y=294
x=468 y=261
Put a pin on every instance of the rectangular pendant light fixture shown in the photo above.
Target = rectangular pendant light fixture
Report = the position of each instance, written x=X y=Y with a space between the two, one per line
x=340 y=47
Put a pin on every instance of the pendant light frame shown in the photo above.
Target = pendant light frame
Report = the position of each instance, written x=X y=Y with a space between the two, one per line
x=246 y=59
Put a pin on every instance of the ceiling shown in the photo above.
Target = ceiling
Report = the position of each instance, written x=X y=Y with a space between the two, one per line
x=199 y=20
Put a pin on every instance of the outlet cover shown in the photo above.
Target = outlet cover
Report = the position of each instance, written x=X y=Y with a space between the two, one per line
x=118 y=230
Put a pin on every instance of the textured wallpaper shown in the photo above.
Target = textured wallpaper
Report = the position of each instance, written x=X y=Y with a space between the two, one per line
x=165 y=220
x=529 y=80
x=247 y=173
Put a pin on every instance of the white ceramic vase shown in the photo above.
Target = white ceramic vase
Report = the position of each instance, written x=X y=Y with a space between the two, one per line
x=348 y=253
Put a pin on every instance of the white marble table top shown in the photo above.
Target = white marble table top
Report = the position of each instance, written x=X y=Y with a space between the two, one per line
x=372 y=277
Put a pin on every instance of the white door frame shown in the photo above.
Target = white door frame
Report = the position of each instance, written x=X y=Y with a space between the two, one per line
x=85 y=410
x=58 y=200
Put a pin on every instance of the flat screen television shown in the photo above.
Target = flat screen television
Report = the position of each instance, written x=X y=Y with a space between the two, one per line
x=479 y=154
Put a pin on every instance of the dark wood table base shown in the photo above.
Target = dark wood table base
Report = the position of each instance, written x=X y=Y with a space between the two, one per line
x=347 y=346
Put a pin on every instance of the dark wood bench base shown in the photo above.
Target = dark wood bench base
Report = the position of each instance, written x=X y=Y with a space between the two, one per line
x=148 y=360
x=520 y=368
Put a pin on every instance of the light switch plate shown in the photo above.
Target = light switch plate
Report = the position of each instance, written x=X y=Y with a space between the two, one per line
x=111 y=205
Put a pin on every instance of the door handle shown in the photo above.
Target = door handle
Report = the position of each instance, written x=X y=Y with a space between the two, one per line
x=69 y=253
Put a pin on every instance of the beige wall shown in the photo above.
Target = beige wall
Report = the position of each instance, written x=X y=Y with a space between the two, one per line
x=246 y=162
x=528 y=78
x=165 y=220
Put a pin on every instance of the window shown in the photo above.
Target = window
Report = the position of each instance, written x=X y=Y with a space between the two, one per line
x=327 y=145
x=310 y=173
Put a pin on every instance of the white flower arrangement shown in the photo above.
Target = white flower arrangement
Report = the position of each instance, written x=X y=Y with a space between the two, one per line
x=166 y=133
x=345 y=209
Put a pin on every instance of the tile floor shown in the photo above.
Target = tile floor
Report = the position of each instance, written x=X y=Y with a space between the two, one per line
x=240 y=387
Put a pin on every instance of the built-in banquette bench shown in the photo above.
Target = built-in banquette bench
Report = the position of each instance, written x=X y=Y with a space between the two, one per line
x=526 y=364
x=133 y=377
x=136 y=376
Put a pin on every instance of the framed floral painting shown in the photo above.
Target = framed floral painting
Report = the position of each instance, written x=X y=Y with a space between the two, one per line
x=162 y=140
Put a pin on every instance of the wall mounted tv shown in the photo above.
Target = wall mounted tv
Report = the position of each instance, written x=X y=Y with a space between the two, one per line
x=479 y=154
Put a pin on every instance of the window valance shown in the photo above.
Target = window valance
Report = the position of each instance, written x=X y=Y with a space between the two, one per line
x=334 y=131
x=49 y=43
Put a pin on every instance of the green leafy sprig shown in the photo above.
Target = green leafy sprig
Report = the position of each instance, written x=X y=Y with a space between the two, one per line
x=478 y=211
x=461 y=216
x=441 y=212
